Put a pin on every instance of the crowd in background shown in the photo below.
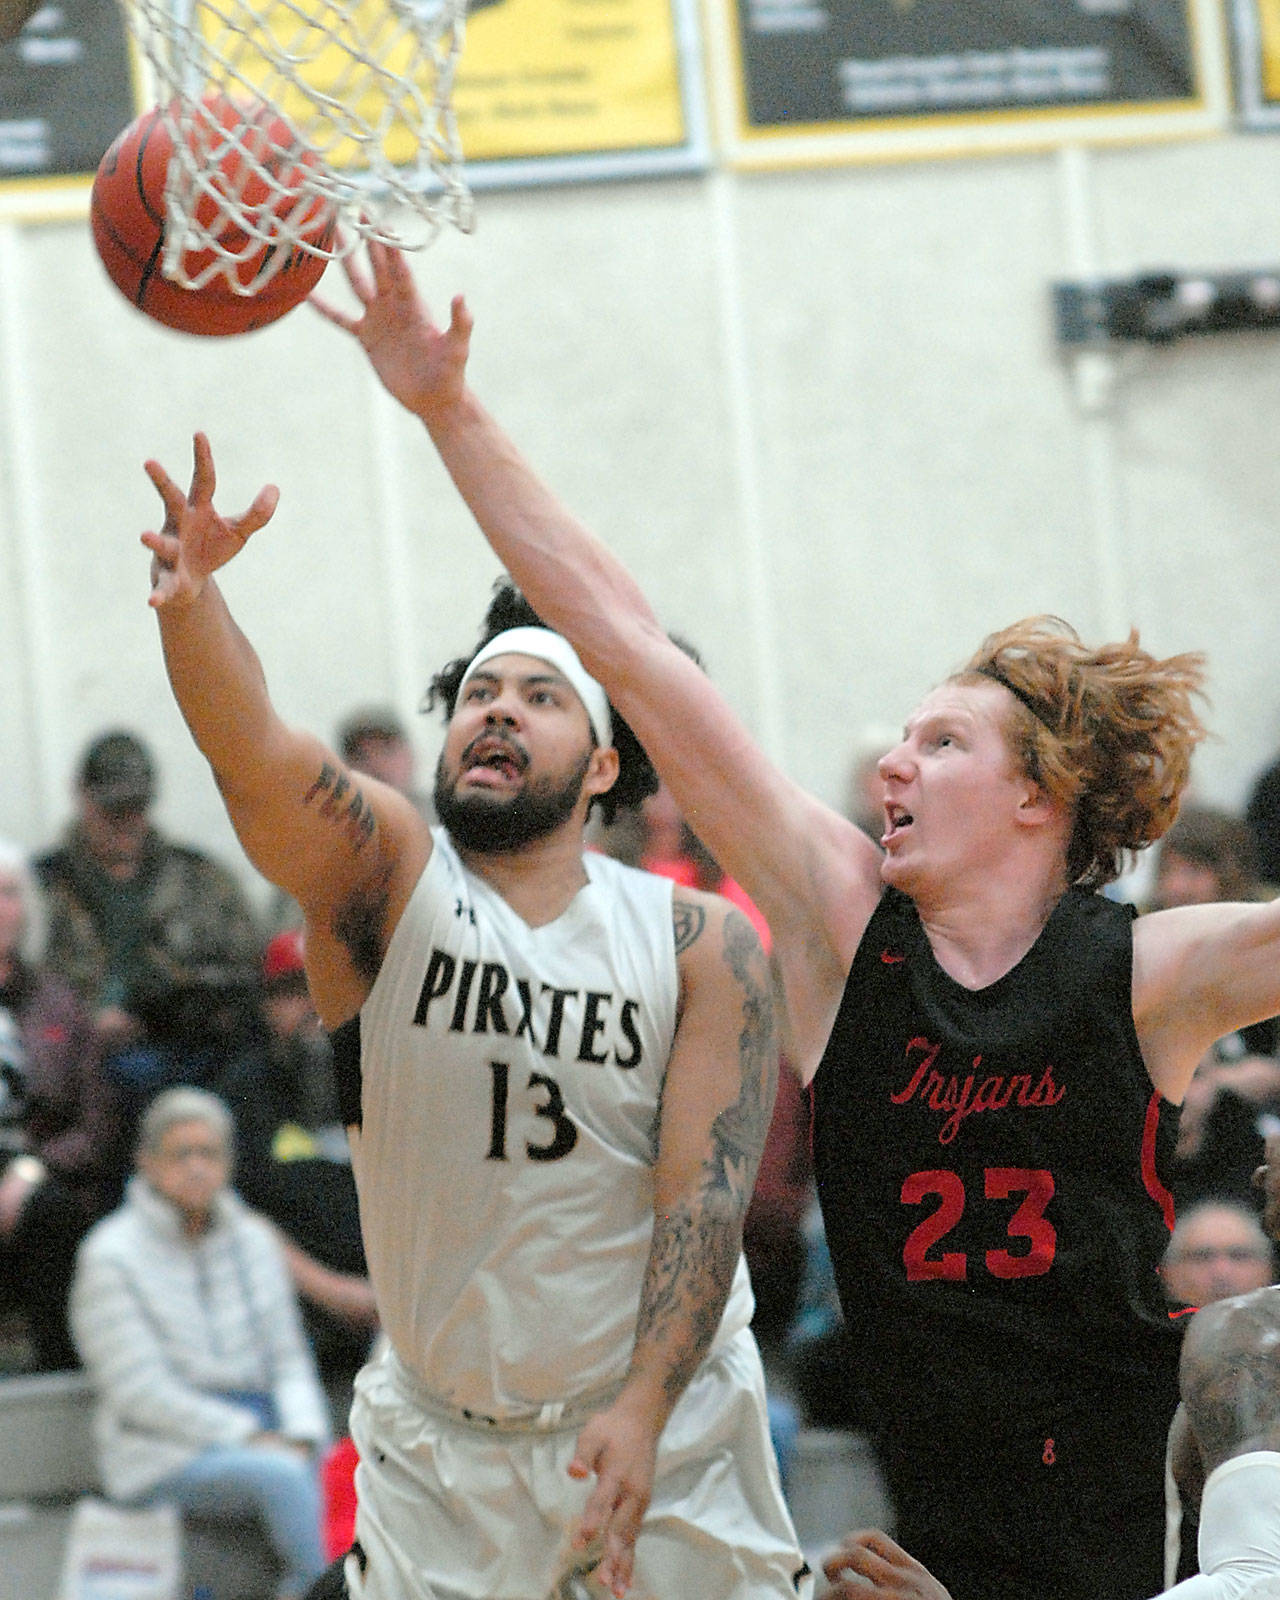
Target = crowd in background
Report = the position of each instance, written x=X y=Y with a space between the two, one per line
x=134 y=968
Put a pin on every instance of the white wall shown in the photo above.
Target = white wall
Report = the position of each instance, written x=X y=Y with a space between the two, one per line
x=820 y=413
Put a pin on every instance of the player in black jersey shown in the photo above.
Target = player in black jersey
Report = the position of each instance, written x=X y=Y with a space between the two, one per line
x=996 y=1050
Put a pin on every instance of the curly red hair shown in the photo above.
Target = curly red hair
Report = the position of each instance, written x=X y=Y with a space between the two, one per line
x=1110 y=732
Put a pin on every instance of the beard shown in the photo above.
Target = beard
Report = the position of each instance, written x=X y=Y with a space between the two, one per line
x=488 y=823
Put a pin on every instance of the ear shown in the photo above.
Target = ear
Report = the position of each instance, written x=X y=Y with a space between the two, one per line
x=602 y=772
x=1037 y=808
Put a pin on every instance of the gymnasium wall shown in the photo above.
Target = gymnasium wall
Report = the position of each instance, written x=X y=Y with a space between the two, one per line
x=820 y=413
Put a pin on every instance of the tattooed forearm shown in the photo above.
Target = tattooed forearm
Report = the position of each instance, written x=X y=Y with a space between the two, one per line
x=738 y=1133
x=697 y=1243
x=689 y=921
x=340 y=801
x=691 y=1265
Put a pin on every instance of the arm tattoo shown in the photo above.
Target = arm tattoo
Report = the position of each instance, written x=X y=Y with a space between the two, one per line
x=689 y=921
x=341 y=802
x=359 y=921
x=695 y=1247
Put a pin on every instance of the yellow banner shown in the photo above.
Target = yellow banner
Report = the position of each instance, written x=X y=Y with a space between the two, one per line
x=555 y=77
x=535 y=77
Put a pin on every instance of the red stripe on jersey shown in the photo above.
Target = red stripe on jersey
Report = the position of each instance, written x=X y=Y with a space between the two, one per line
x=1150 y=1177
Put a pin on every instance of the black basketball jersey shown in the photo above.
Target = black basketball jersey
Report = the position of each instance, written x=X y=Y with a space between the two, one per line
x=988 y=1162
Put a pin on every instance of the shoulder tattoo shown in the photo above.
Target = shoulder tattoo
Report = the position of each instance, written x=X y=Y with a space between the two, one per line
x=688 y=920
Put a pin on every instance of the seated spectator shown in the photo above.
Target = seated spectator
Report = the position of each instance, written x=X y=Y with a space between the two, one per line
x=182 y=1309
x=156 y=939
x=55 y=1122
x=293 y=1164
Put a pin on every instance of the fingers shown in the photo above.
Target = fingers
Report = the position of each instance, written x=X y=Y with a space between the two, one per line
x=613 y=1514
x=875 y=1557
x=460 y=319
x=869 y=1553
x=203 y=478
x=260 y=512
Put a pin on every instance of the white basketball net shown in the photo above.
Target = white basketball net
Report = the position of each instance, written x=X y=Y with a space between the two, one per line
x=344 y=129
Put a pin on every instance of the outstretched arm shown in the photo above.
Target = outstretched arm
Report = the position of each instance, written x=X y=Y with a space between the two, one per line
x=814 y=876
x=1199 y=973
x=716 y=1103
x=341 y=848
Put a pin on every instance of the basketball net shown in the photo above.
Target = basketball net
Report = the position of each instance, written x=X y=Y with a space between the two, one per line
x=302 y=125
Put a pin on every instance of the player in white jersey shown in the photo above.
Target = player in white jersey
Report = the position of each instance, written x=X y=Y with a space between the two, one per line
x=558 y=1076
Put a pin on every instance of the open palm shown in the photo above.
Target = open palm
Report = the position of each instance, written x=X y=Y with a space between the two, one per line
x=196 y=539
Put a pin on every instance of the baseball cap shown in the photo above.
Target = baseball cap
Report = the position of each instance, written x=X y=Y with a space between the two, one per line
x=117 y=773
x=282 y=958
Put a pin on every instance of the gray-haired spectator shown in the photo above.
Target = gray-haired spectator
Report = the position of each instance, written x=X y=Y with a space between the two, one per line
x=186 y=1320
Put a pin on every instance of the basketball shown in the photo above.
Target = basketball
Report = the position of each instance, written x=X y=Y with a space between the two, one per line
x=127 y=216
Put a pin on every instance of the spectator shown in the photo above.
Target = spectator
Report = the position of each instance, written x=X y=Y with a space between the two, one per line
x=375 y=741
x=1217 y=1249
x=156 y=939
x=293 y=1164
x=207 y=1396
x=55 y=1113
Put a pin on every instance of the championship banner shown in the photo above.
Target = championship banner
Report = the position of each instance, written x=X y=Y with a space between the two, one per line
x=66 y=89
x=802 y=82
x=1257 y=40
x=560 y=88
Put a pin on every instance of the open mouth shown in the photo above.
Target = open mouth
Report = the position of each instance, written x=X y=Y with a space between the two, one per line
x=897 y=818
x=492 y=757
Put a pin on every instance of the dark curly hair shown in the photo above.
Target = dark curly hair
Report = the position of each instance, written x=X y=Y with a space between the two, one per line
x=509 y=609
x=1109 y=732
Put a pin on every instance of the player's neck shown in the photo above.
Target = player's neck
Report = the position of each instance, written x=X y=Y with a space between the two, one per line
x=538 y=880
x=980 y=931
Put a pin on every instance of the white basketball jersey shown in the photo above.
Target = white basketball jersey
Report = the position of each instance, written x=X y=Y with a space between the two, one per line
x=511 y=1082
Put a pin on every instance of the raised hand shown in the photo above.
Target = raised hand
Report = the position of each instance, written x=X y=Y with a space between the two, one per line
x=195 y=539
x=419 y=364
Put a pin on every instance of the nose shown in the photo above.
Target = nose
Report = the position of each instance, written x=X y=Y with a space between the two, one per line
x=895 y=763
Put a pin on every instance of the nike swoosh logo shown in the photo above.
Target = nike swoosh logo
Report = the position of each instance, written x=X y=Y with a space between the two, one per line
x=890 y=959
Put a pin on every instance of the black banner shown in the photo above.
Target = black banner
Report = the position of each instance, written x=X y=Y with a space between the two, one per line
x=838 y=65
x=66 y=90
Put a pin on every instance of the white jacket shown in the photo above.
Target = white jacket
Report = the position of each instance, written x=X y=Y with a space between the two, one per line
x=163 y=1322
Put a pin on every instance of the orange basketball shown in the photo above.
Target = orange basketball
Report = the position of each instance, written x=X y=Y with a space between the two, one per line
x=127 y=213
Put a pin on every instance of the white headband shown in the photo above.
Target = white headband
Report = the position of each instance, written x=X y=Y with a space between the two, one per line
x=556 y=650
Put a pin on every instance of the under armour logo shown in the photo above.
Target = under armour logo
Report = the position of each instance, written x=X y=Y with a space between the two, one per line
x=462 y=909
